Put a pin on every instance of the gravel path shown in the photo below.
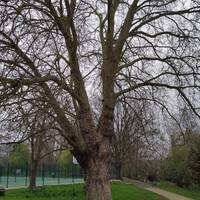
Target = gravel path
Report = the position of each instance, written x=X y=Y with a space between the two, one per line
x=169 y=195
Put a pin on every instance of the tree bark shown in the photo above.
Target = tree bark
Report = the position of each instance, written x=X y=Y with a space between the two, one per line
x=33 y=175
x=97 y=180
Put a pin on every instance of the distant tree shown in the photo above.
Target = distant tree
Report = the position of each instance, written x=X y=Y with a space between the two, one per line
x=20 y=155
x=194 y=159
x=4 y=154
x=134 y=135
x=43 y=140
x=175 y=167
x=182 y=165
x=35 y=126
x=65 y=158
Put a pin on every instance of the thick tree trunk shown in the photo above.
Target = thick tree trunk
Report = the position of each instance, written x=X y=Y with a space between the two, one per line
x=33 y=175
x=97 y=180
x=96 y=156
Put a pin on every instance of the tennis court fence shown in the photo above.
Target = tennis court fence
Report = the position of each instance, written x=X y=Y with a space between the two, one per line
x=18 y=176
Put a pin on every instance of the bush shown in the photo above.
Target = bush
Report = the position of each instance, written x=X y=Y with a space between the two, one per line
x=182 y=165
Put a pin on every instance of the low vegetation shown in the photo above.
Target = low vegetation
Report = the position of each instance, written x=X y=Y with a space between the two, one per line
x=191 y=193
x=182 y=165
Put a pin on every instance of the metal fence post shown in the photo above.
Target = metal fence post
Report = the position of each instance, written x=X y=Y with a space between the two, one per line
x=72 y=172
x=7 y=180
x=65 y=173
x=58 y=170
x=73 y=192
x=15 y=173
x=43 y=174
x=26 y=181
x=1 y=169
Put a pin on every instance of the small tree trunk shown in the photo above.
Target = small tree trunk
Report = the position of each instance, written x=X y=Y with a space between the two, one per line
x=33 y=175
x=97 y=180
x=120 y=170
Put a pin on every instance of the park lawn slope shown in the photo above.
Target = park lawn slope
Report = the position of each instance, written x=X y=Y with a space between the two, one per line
x=120 y=191
x=194 y=194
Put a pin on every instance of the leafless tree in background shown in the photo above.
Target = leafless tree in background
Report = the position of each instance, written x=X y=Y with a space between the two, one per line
x=43 y=139
x=30 y=121
x=136 y=136
x=61 y=46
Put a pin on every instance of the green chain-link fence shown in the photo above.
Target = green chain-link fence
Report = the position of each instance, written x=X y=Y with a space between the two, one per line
x=15 y=177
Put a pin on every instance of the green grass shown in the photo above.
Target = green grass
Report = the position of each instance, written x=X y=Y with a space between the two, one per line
x=194 y=194
x=120 y=191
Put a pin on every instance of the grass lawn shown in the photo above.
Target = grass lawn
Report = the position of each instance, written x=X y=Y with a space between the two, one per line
x=120 y=191
x=194 y=194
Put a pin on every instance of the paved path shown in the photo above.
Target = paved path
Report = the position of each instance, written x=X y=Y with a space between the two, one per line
x=169 y=195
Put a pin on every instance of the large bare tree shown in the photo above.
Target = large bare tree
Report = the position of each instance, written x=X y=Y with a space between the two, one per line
x=62 y=46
